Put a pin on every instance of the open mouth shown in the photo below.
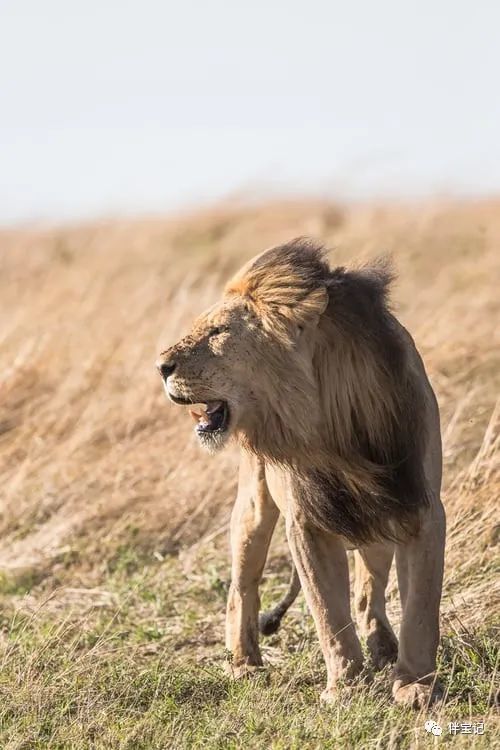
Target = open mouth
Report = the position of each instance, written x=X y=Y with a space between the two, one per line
x=212 y=418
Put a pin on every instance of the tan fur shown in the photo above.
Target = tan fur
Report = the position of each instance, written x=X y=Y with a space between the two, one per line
x=339 y=431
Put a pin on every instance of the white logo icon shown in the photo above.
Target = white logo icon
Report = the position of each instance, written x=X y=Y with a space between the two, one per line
x=433 y=728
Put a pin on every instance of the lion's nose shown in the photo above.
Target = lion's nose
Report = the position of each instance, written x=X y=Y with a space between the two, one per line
x=165 y=368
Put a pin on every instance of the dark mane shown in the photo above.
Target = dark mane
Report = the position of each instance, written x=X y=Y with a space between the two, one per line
x=382 y=489
x=351 y=430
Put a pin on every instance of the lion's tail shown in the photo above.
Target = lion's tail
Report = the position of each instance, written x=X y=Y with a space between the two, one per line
x=269 y=622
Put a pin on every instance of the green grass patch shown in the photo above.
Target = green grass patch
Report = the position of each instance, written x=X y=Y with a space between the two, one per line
x=145 y=672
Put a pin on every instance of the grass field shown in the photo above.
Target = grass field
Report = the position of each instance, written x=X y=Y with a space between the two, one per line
x=113 y=527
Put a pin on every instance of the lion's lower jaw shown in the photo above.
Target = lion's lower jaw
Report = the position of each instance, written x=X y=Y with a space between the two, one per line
x=213 y=442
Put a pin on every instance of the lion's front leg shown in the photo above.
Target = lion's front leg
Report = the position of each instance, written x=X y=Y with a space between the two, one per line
x=420 y=563
x=321 y=562
x=252 y=523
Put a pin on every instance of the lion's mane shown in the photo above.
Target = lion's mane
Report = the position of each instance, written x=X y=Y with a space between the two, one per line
x=348 y=419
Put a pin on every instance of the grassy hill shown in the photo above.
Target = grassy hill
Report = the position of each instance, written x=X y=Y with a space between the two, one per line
x=113 y=523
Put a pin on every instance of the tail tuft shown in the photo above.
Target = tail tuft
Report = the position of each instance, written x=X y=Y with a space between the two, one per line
x=269 y=622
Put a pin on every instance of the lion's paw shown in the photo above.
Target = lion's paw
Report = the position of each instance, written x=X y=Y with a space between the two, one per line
x=329 y=695
x=416 y=694
x=242 y=671
x=333 y=693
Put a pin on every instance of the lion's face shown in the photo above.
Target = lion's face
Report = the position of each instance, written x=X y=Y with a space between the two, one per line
x=249 y=359
x=217 y=366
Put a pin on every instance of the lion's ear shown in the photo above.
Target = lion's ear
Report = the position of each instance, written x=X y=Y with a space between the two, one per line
x=289 y=322
x=307 y=312
x=286 y=287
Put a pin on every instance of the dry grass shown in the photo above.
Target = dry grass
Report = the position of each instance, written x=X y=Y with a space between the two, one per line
x=101 y=479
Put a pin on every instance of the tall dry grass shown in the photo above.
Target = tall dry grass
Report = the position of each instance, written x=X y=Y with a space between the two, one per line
x=91 y=456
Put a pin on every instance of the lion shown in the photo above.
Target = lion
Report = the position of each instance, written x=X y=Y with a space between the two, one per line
x=306 y=367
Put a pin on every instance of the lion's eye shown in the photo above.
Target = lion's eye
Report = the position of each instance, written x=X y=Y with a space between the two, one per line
x=216 y=330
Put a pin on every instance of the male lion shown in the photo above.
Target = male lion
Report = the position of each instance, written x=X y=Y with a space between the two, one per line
x=339 y=431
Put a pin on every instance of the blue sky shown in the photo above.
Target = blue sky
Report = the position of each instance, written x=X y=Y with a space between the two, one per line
x=112 y=108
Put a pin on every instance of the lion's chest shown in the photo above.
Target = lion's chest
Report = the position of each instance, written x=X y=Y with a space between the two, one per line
x=281 y=490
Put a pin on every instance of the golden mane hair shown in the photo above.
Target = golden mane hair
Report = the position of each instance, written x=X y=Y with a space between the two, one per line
x=343 y=409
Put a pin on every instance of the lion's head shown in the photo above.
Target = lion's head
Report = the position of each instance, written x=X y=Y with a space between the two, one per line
x=249 y=358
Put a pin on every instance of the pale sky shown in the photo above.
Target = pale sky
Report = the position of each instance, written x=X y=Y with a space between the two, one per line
x=113 y=108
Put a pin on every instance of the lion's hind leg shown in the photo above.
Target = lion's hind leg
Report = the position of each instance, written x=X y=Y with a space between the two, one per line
x=372 y=564
x=253 y=520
